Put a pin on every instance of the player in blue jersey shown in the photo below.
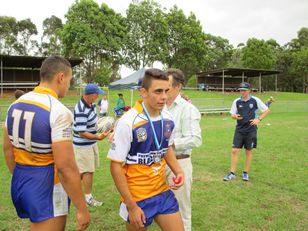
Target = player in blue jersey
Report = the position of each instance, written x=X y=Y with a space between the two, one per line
x=141 y=148
x=39 y=152
x=244 y=110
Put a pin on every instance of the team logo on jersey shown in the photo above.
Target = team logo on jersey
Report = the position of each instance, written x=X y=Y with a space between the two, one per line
x=168 y=130
x=251 y=105
x=141 y=135
x=67 y=132
x=113 y=146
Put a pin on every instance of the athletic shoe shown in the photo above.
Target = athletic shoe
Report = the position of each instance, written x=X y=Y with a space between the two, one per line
x=229 y=176
x=245 y=176
x=94 y=203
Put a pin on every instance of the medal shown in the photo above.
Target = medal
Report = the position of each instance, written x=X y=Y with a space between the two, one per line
x=156 y=156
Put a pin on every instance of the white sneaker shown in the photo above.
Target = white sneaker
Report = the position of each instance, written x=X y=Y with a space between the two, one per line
x=229 y=176
x=94 y=203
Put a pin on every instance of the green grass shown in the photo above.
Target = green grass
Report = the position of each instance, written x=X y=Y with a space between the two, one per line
x=275 y=198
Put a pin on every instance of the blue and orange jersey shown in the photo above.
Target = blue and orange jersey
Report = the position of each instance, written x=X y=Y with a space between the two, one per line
x=134 y=146
x=34 y=122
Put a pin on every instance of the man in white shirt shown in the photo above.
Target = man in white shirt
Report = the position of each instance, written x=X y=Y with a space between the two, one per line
x=103 y=106
x=187 y=135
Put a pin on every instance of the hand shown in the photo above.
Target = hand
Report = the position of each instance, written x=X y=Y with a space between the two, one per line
x=136 y=216
x=238 y=117
x=83 y=219
x=178 y=181
x=254 y=121
x=103 y=135
x=110 y=138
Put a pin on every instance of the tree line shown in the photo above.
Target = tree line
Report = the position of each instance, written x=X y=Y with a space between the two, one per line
x=148 y=33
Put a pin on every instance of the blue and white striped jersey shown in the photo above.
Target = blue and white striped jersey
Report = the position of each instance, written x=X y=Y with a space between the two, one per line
x=85 y=118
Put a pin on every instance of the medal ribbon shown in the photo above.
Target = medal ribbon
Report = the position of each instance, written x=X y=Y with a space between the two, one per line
x=158 y=146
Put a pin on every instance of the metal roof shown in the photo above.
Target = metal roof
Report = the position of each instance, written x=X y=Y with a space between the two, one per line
x=247 y=72
x=29 y=61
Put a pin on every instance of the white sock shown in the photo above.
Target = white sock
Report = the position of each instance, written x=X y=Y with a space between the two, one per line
x=88 y=196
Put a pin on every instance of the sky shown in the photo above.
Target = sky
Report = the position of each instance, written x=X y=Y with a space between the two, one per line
x=235 y=20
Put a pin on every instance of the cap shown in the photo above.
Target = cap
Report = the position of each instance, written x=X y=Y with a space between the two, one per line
x=93 y=89
x=244 y=86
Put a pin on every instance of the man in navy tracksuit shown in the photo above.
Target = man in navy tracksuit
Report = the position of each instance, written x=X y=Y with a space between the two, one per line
x=244 y=111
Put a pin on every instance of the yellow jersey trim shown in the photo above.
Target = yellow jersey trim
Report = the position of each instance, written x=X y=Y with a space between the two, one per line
x=45 y=90
x=26 y=158
x=33 y=103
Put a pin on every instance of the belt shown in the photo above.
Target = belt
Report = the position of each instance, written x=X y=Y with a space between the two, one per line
x=182 y=156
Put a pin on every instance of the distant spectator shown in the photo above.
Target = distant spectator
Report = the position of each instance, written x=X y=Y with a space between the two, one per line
x=103 y=106
x=269 y=101
x=120 y=105
x=18 y=93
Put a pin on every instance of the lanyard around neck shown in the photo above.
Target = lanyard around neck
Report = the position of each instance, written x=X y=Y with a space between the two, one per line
x=158 y=146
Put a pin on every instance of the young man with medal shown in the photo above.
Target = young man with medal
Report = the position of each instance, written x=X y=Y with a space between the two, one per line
x=141 y=148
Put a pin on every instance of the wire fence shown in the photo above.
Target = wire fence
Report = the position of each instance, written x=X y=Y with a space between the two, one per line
x=212 y=105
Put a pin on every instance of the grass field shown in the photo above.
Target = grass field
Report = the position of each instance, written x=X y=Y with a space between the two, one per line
x=275 y=198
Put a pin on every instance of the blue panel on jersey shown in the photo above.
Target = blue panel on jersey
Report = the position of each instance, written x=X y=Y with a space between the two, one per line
x=143 y=138
x=41 y=131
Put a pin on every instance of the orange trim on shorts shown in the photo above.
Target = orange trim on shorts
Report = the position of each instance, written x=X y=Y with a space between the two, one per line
x=27 y=158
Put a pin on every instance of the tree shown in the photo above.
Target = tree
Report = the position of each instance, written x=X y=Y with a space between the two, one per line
x=258 y=54
x=219 y=52
x=147 y=31
x=8 y=35
x=26 y=29
x=51 y=43
x=94 y=34
x=185 y=44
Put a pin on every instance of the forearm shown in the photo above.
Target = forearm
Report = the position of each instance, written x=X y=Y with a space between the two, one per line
x=8 y=152
x=187 y=142
x=68 y=172
x=172 y=162
x=70 y=179
x=121 y=184
x=264 y=114
x=89 y=135
x=9 y=159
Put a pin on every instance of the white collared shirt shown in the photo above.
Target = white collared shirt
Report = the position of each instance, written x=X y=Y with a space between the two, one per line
x=187 y=131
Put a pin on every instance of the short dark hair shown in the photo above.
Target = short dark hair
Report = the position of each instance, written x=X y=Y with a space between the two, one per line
x=18 y=93
x=153 y=74
x=120 y=94
x=178 y=76
x=52 y=66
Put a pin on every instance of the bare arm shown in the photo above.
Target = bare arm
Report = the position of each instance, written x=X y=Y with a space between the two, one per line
x=135 y=213
x=261 y=117
x=175 y=168
x=70 y=179
x=91 y=136
x=8 y=151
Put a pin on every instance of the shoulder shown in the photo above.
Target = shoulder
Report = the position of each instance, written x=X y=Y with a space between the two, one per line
x=59 y=109
x=129 y=117
x=166 y=114
x=254 y=98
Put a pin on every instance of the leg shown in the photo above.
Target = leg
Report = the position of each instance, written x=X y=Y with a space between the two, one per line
x=87 y=179
x=234 y=157
x=170 y=222
x=53 y=224
x=248 y=159
x=130 y=227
